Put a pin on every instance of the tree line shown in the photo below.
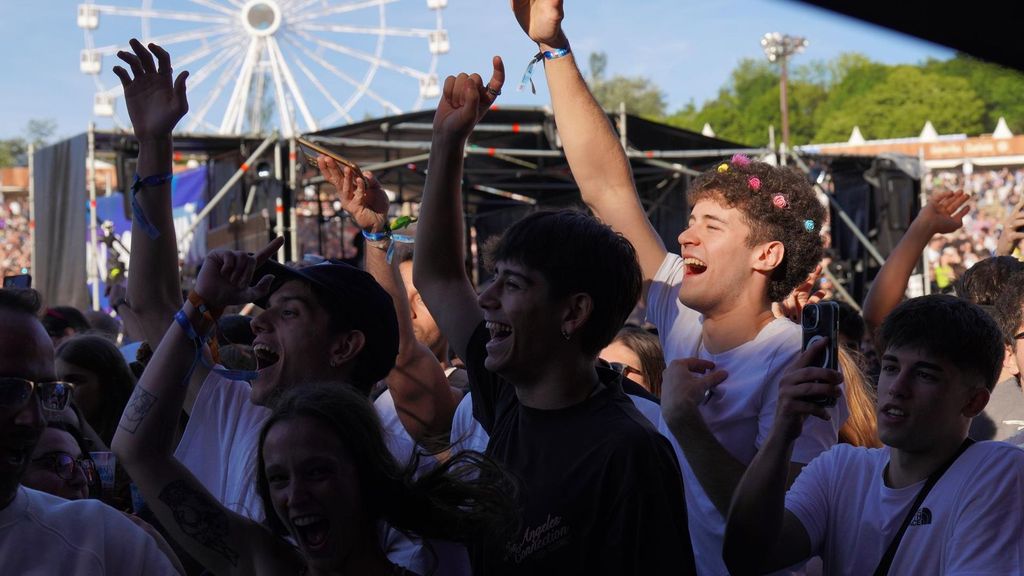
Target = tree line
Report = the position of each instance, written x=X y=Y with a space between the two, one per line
x=828 y=98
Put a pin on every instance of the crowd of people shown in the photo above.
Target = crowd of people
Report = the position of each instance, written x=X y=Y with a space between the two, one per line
x=394 y=418
x=14 y=237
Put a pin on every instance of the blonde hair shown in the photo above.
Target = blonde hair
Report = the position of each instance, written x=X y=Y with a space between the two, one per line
x=861 y=428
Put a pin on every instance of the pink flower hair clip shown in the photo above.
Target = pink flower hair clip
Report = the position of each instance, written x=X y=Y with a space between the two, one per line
x=740 y=160
x=754 y=182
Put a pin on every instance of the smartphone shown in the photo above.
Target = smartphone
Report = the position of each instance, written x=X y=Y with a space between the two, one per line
x=18 y=281
x=312 y=151
x=821 y=320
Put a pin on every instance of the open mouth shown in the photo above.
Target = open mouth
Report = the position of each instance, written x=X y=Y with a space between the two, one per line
x=893 y=412
x=312 y=531
x=15 y=456
x=498 y=330
x=264 y=356
x=694 y=266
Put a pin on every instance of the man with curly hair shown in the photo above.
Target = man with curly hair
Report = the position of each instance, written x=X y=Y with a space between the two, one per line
x=753 y=236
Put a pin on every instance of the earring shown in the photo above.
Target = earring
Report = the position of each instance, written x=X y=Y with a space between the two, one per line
x=566 y=334
x=333 y=363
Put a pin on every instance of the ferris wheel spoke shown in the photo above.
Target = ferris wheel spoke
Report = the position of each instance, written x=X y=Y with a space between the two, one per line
x=204 y=51
x=169 y=39
x=214 y=95
x=341 y=9
x=284 y=115
x=360 y=55
x=289 y=79
x=345 y=78
x=407 y=32
x=339 y=110
x=206 y=70
x=216 y=7
x=236 y=103
x=161 y=14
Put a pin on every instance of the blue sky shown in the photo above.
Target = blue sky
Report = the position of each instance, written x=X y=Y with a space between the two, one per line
x=686 y=47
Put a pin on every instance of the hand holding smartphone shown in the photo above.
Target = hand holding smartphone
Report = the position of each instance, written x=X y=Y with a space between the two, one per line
x=818 y=321
x=312 y=151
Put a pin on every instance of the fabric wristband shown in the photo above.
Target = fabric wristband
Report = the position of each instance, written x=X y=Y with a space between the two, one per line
x=137 y=212
x=190 y=331
x=542 y=55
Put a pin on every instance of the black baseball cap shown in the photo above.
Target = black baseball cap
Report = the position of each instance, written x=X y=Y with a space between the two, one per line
x=355 y=297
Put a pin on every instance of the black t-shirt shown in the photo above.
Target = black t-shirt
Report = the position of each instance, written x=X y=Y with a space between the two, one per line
x=600 y=489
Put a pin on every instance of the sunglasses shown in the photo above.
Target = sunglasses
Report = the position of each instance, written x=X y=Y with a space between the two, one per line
x=65 y=465
x=15 y=393
x=624 y=369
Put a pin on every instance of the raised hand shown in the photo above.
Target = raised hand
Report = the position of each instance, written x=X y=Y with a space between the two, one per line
x=793 y=305
x=155 y=103
x=466 y=100
x=945 y=212
x=799 y=386
x=226 y=274
x=688 y=383
x=542 y=21
x=1013 y=231
x=362 y=197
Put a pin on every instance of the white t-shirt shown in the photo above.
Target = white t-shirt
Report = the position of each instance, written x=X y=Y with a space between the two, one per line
x=741 y=411
x=43 y=535
x=219 y=448
x=972 y=521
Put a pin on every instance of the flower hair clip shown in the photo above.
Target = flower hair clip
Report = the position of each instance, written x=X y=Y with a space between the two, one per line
x=809 y=225
x=740 y=160
x=723 y=167
x=754 y=182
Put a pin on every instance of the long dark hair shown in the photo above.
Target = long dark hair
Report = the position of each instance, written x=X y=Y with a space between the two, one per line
x=468 y=498
x=101 y=357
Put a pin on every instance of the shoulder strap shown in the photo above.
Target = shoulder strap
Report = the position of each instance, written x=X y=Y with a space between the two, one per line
x=890 y=553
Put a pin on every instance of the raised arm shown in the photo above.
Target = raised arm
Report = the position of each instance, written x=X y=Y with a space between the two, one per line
x=1012 y=236
x=155 y=105
x=595 y=155
x=439 y=270
x=943 y=214
x=760 y=534
x=144 y=443
x=425 y=402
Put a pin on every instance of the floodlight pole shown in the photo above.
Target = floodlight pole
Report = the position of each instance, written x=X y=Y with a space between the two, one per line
x=779 y=47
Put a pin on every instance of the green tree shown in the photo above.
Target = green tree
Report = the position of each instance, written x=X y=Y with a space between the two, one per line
x=14 y=151
x=639 y=94
x=999 y=88
x=899 y=105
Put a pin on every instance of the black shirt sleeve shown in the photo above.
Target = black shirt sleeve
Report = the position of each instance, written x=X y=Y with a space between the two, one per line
x=647 y=525
x=490 y=392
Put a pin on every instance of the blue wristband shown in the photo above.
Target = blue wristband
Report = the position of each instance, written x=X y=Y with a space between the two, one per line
x=543 y=55
x=190 y=331
x=137 y=212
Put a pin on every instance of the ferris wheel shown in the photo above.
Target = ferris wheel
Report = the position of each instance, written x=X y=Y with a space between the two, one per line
x=256 y=65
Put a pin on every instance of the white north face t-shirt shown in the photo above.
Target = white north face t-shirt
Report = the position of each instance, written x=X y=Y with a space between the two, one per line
x=972 y=521
x=219 y=448
x=741 y=411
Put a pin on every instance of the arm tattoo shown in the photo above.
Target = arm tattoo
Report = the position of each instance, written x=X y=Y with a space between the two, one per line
x=138 y=406
x=199 y=517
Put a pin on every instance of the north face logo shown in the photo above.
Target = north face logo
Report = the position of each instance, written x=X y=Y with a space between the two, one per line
x=922 y=517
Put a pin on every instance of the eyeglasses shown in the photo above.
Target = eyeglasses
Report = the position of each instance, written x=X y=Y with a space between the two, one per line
x=64 y=465
x=15 y=393
x=624 y=369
